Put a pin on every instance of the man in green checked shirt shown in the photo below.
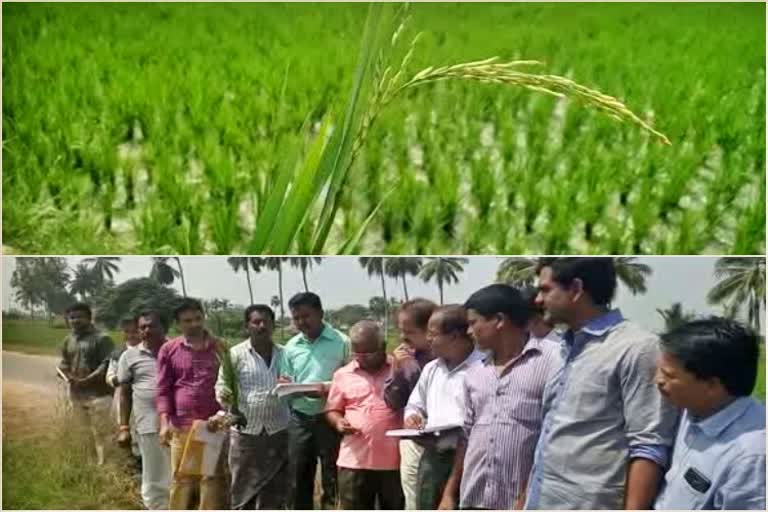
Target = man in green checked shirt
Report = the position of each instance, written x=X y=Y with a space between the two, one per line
x=313 y=355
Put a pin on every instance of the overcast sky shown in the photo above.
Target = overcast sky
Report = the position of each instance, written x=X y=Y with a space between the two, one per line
x=340 y=280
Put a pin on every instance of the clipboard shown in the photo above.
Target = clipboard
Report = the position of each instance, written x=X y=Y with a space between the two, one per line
x=202 y=451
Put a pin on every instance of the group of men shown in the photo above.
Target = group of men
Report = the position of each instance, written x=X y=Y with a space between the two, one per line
x=503 y=411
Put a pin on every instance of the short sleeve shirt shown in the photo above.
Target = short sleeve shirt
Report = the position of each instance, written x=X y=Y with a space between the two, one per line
x=315 y=361
x=138 y=367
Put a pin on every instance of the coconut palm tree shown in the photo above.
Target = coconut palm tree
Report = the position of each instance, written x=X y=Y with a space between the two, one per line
x=518 y=272
x=741 y=283
x=105 y=268
x=244 y=263
x=632 y=274
x=400 y=267
x=164 y=273
x=375 y=267
x=303 y=263
x=181 y=275
x=277 y=305
x=674 y=316
x=521 y=272
x=443 y=271
x=85 y=282
x=276 y=264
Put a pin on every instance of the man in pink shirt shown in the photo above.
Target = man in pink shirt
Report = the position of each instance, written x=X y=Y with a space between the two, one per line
x=187 y=369
x=369 y=461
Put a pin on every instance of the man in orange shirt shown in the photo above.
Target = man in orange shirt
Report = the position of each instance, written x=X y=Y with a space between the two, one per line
x=369 y=461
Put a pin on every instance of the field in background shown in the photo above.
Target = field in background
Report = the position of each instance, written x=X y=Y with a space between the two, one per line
x=36 y=337
x=159 y=128
x=41 y=337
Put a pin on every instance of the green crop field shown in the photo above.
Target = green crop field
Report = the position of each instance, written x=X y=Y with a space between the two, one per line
x=150 y=128
x=37 y=336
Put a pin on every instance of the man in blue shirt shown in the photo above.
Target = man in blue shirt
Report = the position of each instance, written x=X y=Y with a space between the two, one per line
x=607 y=430
x=708 y=368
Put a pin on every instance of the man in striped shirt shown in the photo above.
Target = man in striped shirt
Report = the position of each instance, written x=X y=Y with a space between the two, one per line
x=258 y=452
x=503 y=403
x=438 y=400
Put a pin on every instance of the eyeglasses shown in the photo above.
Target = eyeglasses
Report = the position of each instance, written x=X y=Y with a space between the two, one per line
x=364 y=355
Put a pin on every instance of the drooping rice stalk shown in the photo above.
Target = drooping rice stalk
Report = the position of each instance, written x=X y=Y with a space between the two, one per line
x=389 y=84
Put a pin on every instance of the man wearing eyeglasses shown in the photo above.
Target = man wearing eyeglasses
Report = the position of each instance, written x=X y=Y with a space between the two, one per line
x=438 y=400
x=369 y=461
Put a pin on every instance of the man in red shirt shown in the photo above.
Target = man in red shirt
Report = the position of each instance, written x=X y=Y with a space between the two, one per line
x=369 y=461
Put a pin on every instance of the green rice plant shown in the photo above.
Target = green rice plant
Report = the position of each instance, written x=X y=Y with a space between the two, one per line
x=230 y=378
x=207 y=145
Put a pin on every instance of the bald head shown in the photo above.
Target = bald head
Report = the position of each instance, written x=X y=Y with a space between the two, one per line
x=368 y=345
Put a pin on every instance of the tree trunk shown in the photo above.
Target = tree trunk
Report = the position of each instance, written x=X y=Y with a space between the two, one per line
x=386 y=302
x=181 y=274
x=440 y=285
x=405 y=288
x=219 y=325
x=754 y=312
x=280 y=288
x=304 y=277
x=248 y=277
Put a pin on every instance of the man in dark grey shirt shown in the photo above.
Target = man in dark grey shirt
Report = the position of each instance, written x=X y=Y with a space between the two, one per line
x=84 y=359
x=607 y=434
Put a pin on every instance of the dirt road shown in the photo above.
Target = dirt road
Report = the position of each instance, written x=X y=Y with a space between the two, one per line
x=31 y=370
x=31 y=392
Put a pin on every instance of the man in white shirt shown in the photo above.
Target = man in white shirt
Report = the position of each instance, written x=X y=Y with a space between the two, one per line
x=438 y=399
x=258 y=450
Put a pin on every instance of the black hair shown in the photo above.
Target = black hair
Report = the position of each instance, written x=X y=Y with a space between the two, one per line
x=261 y=308
x=453 y=318
x=305 y=299
x=419 y=310
x=80 y=306
x=529 y=294
x=144 y=313
x=716 y=347
x=188 y=304
x=598 y=275
x=500 y=298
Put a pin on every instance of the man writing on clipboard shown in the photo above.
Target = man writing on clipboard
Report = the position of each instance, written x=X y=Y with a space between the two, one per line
x=312 y=356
